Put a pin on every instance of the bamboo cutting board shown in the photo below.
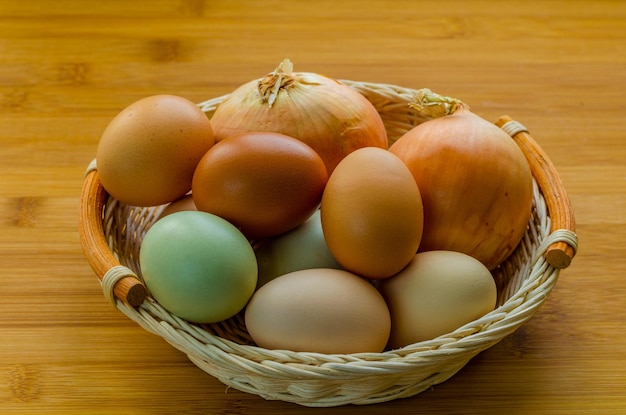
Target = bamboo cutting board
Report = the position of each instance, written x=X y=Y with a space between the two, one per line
x=67 y=67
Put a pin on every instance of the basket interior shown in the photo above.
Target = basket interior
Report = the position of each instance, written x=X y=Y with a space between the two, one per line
x=125 y=226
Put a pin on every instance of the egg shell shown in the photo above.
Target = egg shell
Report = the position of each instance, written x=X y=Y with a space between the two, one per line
x=179 y=205
x=198 y=266
x=319 y=310
x=438 y=292
x=301 y=248
x=263 y=183
x=372 y=214
x=148 y=153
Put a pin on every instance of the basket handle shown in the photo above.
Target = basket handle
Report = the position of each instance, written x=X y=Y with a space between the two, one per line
x=128 y=288
x=560 y=253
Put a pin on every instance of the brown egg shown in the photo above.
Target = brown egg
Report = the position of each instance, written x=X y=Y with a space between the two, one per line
x=179 y=205
x=263 y=183
x=149 y=151
x=319 y=310
x=372 y=214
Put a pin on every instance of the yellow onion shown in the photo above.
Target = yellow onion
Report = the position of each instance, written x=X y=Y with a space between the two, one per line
x=475 y=182
x=331 y=117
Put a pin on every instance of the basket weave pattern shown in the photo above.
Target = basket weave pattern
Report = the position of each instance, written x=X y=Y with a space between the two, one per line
x=226 y=351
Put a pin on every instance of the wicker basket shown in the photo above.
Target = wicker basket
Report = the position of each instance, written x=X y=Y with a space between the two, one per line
x=111 y=234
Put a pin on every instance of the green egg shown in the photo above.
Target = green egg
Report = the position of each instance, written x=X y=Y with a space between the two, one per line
x=301 y=248
x=198 y=266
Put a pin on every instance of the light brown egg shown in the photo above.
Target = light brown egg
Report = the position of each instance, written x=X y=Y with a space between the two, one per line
x=372 y=214
x=438 y=292
x=319 y=310
x=148 y=153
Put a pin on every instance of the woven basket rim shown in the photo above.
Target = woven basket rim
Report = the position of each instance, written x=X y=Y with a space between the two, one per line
x=253 y=369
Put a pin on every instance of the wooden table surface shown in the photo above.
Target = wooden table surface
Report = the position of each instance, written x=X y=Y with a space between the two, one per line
x=67 y=67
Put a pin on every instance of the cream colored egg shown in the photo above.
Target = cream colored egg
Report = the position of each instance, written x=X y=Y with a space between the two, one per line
x=438 y=292
x=319 y=310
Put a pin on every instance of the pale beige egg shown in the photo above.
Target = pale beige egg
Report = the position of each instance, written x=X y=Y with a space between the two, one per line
x=438 y=292
x=319 y=310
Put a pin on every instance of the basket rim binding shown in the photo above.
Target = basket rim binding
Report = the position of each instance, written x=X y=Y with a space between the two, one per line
x=442 y=357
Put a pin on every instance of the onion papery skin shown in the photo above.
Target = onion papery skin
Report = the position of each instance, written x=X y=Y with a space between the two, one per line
x=329 y=116
x=475 y=182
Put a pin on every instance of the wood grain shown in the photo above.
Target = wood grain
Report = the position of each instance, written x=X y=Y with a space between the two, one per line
x=67 y=67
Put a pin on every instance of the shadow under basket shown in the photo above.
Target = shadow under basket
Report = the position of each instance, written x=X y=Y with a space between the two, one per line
x=111 y=235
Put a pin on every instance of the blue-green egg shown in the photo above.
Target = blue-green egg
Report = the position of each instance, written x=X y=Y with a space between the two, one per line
x=198 y=266
x=301 y=248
